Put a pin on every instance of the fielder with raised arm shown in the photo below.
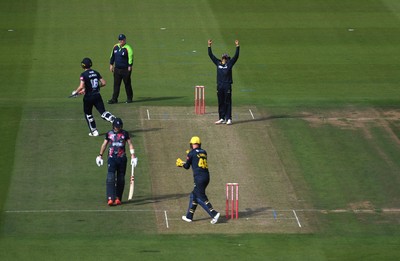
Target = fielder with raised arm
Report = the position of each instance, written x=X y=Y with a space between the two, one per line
x=117 y=161
x=197 y=158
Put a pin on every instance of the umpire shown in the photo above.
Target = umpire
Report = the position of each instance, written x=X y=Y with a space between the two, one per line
x=197 y=158
x=121 y=62
x=224 y=83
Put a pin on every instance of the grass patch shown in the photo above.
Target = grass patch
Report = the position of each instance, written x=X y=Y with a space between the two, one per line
x=324 y=138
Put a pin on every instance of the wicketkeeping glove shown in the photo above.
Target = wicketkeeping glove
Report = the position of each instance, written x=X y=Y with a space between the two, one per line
x=99 y=161
x=179 y=162
x=134 y=162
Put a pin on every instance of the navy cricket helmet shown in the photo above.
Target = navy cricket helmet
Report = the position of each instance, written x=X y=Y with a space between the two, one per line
x=86 y=63
x=117 y=123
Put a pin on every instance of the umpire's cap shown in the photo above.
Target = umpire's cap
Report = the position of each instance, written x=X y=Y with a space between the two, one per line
x=117 y=123
x=121 y=37
x=86 y=63
x=195 y=140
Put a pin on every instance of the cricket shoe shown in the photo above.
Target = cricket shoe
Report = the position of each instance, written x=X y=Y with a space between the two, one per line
x=94 y=133
x=221 y=121
x=117 y=202
x=110 y=202
x=184 y=218
x=229 y=122
x=215 y=219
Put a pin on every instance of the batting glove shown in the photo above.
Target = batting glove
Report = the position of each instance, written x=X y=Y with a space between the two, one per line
x=179 y=162
x=134 y=162
x=99 y=161
x=74 y=93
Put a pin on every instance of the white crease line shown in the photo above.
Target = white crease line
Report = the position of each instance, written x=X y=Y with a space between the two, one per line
x=166 y=218
x=297 y=219
x=78 y=210
x=331 y=211
x=148 y=114
x=251 y=114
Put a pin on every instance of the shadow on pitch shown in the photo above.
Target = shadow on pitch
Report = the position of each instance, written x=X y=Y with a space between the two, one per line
x=251 y=212
x=140 y=200
x=269 y=118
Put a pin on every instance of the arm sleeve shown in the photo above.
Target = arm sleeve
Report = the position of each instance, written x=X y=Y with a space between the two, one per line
x=236 y=56
x=127 y=136
x=188 y=162
x=212 y=57
x=112 y=57
x=130 y=54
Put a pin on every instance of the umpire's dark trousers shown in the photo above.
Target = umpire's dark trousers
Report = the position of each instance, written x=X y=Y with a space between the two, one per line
x=119 y=76
x=224 y=94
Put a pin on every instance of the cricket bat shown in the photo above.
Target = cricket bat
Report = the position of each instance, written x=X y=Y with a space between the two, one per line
x=132 y=183
x=73 y=96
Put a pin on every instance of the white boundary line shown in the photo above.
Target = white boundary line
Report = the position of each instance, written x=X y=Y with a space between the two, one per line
x=166 y=218
x=148 y=114
x=297 y=219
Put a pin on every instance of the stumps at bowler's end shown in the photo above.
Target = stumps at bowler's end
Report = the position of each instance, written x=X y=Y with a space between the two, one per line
x=232 y=201
x=199 y=100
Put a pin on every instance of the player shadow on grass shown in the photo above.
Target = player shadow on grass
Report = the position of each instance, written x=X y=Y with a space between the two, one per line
x=268 y=118
x=132 y=132
x=163 y=98
x=140 y=200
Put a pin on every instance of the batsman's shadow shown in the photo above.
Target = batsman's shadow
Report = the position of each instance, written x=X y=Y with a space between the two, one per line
x=269 y=118
x=133 y=132
x=251 y=212
x=161 y=98
x=143 y=200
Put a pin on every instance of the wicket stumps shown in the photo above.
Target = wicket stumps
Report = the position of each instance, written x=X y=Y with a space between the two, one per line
x=199 y=100
x=232 y=200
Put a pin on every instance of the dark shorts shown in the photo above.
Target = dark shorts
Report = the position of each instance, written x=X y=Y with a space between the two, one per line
x=90 y=101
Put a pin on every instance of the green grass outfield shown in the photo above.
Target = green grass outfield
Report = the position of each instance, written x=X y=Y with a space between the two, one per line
x=315 y=142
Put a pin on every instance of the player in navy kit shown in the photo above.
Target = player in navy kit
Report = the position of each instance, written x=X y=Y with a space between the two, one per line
x=117 y=161
x=121 y=65
x=90 y=83
x=197 y=158
x=224 y=83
